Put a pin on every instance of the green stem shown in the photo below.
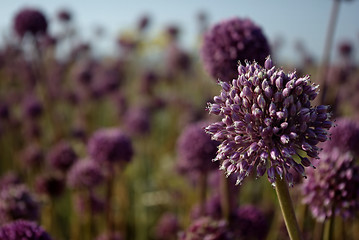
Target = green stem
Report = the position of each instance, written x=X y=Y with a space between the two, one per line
x=286 y=206
x=225 y=198
x=329 y=228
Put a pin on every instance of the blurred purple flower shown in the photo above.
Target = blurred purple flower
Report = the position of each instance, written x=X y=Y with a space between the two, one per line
x=23 y=230
x=195 y=149
x=17 y=202
x=250 y=223
x=32 y=107
x=64 y=15
x=207 y=228
x=110 y=145
x=9 y=179
x=32 y=156
x=231 y=41
x=167 y=227
x=344 y=135
x=61 y=156
x=332 y=189
x=29 y=20
x=50 y=184
x=85 y=173
x=137 y=121
x=267 y=118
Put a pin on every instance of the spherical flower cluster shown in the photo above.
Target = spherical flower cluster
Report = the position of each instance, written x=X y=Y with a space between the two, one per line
x=32 y=107
x=8 y=179
x=231 y=41
x=50 y=184
x=24 y=230
x=249 y=222
x=195 y=149
x=30 y=21
x=64 y=15
x=167 y=226
x=85 y=173
x=137 y=120
x=32 y=156
x=62 y=156
x=332 y=189
x=267 y=122
x=110 y=145
x=345 y=136
x=17 y=202
x=207 y=228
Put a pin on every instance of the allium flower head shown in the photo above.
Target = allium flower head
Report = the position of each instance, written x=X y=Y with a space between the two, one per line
x=30 y=21
x=85 y=173
x=231 y=41
x=195 y=148
x=207 y=228
x=110 y=145
x=50 y=184
x=62 y=156
x=345 y=136
x=17 y=202
x=333 y=187
x=267 y=122
x=24 y=230
x=250 y=223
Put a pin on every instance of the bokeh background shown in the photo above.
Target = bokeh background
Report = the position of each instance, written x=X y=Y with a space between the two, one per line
x=101 y=119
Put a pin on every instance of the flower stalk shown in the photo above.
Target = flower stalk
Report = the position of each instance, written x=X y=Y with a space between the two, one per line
x=287 y=209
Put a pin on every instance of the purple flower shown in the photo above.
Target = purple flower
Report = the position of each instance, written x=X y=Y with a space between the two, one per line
x=110 y=145
x=32 y=107
x=345 y=136
x=195 y=149
x=17 y=202
x=231 y=41
x=62 y=156
x=137 y=121
x=32 y=156
x=268 y=122
x=332 y=189
x=30 y=21
x=207 y=228
x=110 y=236
x=249 y=222
x=50 y=184
x=85 y=173
x=64 y=15
x=24 y=230
x=167 y=226
x=9 y=179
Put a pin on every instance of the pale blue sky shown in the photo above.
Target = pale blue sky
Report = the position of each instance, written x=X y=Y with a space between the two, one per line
x=306 y=20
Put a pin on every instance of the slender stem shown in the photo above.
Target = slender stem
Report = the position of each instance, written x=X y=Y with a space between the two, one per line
x=225 y=198
x=323 y=72
x=318 y=231
x=286 y=206
x=329 y=228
